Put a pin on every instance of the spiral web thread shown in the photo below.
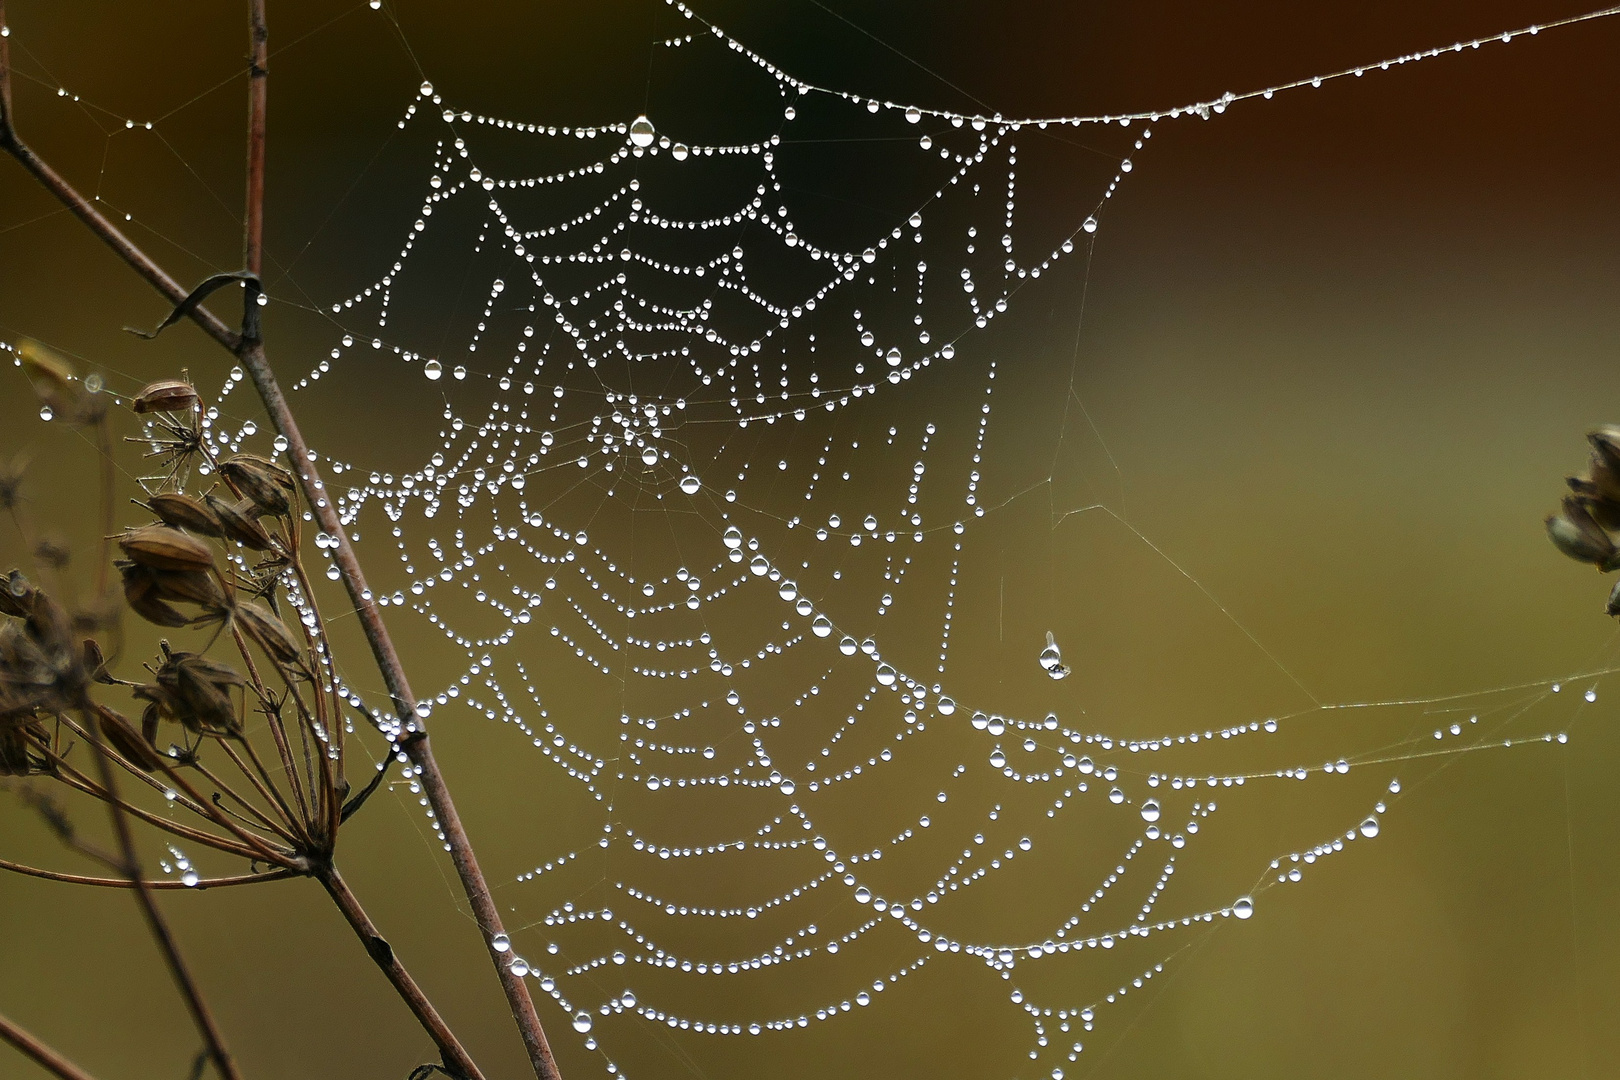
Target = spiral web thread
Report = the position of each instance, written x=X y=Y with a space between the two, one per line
x=622 y=512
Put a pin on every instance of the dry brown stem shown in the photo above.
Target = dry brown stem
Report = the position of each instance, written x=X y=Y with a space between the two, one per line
x=39 y=1053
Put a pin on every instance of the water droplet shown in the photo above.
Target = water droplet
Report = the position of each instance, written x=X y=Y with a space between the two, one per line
x=867 y=339
x=1051 y=658
x=460 y=372
x=93 y=383
x=821 y=626
x=627 y=999
x=680 y=151
x=1394 y=787
x=886 y=675
x=500 y=943
x=847 y=646
x=690 y=485
x=946 y=706
x=893 y=357
x=759 y=565
x=1116 y=796
x=280 y=443
x=1243 y=908
x=998 y=760
x=433 y=369
x=641 y=134
x=649 y=456
x=582 y=1021
x=863 y=895
x=1090 y=225
x=1591 y=695
x=732 y=538
x=190 y=878
x=46 y=414
x=913 y=115
x=520 y=966
x=426 y=89
x=1369 y=828
x=1150 y=811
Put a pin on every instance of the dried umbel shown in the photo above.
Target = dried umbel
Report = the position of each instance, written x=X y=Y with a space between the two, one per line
x=238 y=522
x=1586 y=526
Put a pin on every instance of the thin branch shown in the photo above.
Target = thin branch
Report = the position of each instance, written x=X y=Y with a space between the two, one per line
x=125 y=883
x=201 y=1015
x=450 y=1049
x=30 y=1046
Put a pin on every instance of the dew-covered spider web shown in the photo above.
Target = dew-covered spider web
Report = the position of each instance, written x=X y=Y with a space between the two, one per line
x=711 y=503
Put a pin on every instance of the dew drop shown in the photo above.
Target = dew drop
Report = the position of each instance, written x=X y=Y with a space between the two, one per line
x=1243 y=908
x=641 y=134
x=649 y=456
x=690 y=485
x=46 y=414
x=433 y=369
x=520 y=966
x=1369 y=828
x=821 y=626
x=582 y=1019
x=190 y=878
x=885 y=675
x=847 y=646
x=1150 y=811
x=863 y=895
x=500 y=943
x=732 y=538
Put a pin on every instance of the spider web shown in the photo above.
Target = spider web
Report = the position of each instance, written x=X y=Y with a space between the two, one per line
x=703 y=475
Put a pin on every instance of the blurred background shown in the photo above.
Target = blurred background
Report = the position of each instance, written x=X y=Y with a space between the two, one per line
x=1338 y=350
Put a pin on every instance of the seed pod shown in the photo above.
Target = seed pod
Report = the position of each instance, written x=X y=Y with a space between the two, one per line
x=238 y=522
x=183 y=512
x=140 y=595
x=1575 y=534
x=163 y=548
x=266 y=485
x=122 y=737
x=270 y=632
x=188 y=587
x=211 y=711
x=48 y=370
x=16 y=756
x=165 y=395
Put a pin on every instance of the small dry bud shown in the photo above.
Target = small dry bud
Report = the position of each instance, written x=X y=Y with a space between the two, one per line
x=181 y=511
x=270 y=632
x=165 y=395
x=163 y=548
x=141 y=595
x=95 y=662
x=198 y=693
x=268 y=486
x=239 y=522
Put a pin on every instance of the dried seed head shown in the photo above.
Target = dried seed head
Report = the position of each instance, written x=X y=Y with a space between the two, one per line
x=197 y=693
x=268 y=486
x=165 y=395
x=239 y=522
x=163 y=548
x=270 y=632
x=181 y=511
x=1577 y=535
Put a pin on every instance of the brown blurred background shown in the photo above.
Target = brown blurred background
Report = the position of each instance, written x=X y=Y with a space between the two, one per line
x=1338 y=350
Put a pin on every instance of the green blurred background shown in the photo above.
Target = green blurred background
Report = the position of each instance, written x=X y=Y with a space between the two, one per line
x=1338 y=351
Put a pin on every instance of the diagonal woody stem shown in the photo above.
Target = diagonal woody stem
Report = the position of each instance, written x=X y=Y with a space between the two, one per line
x=249 y=351
x=40 y=1054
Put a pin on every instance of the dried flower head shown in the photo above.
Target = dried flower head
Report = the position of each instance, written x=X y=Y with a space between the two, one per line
x=181 y=511
x=268 y=486
x=165 y=395
x=160 y=547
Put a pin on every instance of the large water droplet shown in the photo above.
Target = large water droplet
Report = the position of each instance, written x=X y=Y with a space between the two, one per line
x=863 y=895
x=732 y=538
x=822 y=626
x=913 y=115
x=893 y=357
x=500 y=943
x=1243 y=908
x=690 y=485
x=1369 y=828
x=867 y=339
x=582 y=1021
x=520 y=966
x=641 y=134
x=847 y=646
x=1116 y=796
x=998 y=760
x=945 y=706
x=190 y=878
x=649 y=456
x=433 y=369
x=759 y=565
x=1150 y=811
x=46 y=414
x=886 y=675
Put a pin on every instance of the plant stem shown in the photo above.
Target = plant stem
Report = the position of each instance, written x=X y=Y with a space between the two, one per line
x=454 y=1054
x=39 y=1053
x=200 y=1013
x=250 y=353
